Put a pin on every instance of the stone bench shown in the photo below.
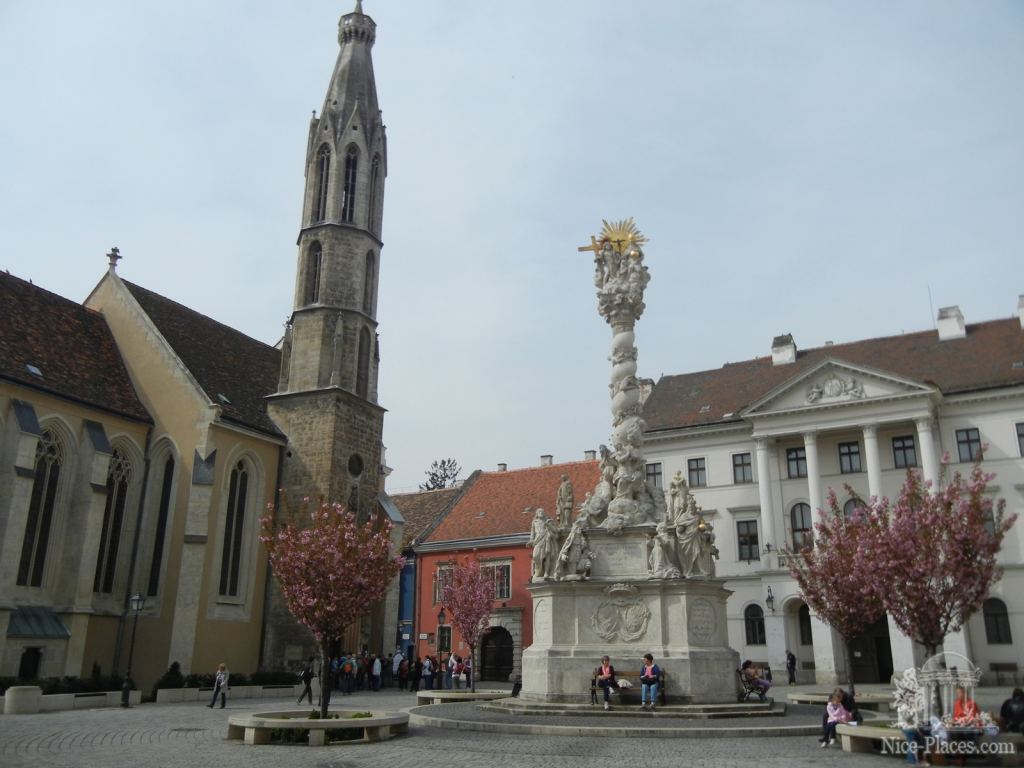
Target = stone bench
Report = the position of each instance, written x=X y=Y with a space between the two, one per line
x=446 y=696
x=862 y=738
x=256 y=728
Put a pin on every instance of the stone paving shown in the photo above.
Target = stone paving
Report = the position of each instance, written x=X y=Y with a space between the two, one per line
x=172 y=735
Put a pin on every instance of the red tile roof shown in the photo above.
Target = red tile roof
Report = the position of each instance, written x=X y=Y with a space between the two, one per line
x=70 y=345
x=493 y=505
x=422 y=508
x=224 y=361
x=983 y=359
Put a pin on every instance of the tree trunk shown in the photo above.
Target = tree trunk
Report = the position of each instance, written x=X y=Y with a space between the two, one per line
x=849 y=667
x=472 y=669
x=326 y=681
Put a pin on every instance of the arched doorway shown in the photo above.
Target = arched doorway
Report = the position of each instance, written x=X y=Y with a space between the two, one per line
x=800 y=639
x=872 y=654
x=496 y=655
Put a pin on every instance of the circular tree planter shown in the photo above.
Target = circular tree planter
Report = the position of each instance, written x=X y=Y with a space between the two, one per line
x=259 y=727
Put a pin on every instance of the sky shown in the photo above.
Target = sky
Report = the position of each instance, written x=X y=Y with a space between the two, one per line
x=834 y=170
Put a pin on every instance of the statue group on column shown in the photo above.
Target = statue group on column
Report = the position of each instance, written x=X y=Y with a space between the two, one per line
x=561 y=551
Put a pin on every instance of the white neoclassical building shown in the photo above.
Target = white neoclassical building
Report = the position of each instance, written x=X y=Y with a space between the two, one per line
x=761 y=442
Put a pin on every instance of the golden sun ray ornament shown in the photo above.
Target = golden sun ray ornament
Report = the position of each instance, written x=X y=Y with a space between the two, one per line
x=621 y=234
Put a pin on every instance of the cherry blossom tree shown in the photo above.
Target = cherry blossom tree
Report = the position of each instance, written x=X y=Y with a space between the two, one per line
x=838 y=576
x=331 y=572
x=940 y=553
x=468 y=597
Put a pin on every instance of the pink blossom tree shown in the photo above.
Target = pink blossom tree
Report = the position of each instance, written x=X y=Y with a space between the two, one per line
x=468 y=597
x=331 y=572
x=838 y=576
x=940 y=553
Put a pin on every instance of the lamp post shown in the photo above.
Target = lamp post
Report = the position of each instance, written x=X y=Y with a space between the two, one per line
x=769 y=601
x=136 y=603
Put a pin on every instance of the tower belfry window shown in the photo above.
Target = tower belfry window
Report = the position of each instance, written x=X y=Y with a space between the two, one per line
x=313 y=267
x=374 y=179
x=369 y=279
x=348 y=199
x=323 y=174
x=363 y=368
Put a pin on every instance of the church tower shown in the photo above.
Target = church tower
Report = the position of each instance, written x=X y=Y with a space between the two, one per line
x=326 y=401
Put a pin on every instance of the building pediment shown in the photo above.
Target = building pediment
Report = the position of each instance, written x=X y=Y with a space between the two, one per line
x=834 y=383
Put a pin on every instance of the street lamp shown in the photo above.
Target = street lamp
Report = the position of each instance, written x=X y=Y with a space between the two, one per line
x=136 y=603
x=441 y=617
x=769 y=601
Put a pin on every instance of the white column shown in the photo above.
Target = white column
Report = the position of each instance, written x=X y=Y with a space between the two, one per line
x=813 y=474
x=764 y=493
x=929 y=463
x=901 y=647
x=873 y=462
x=828 y=652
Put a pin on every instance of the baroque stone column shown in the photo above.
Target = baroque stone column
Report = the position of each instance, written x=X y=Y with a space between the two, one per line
x=871 y=457
x=764 y=493
x=929 y=464
x=813 y=473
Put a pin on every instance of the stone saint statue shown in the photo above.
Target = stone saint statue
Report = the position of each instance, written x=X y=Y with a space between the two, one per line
x=688 y=538
x=576 y=558
x=659 y=558
x=678 y=497
x=708 y=551
x=564 y=502
x=544 y=540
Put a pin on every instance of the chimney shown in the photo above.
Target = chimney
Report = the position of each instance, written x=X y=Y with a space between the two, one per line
x=503 y=467
x=783 y=350
x=590 y=455
x=1020 y=310
x=646 y=387
x=546 y=459
x=951 y=323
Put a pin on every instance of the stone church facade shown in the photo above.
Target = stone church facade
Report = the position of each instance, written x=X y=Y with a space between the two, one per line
x=140 y=446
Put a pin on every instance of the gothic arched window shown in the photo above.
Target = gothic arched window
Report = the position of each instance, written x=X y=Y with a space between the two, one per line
x=323 y=176
x=163 y=511
x=314 y=259
x=363 y=369
x=49 y=457
x=753 y=621
x=369 y=278
x=374 y=180
x=118 y=477
x=348 y=199
x=234 y=526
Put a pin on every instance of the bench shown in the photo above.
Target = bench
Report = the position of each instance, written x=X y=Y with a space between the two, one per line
x=634 y=682
x=863 y=738
x=256 y=728
x=748 y=687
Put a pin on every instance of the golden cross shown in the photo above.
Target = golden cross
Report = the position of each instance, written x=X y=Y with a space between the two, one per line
x=594 y=246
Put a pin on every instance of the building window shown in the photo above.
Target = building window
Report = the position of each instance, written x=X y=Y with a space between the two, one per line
x=323 y=173
x=163 y=511
x=997 y=622
x=796 y=461
x=800 y=521
x=49 y=457
x=442 y=579
x=118 y=479
x=501 y=575
x=803 y=618
x=698 y=473
x=753 y=621
x=742 y=472
x=374 y=181
x=851 y=506
x=234 y=525
x=1020 y=438
x=904 y=454
x=654 y=475
x=363 y=364
x=444 y=638
x=968 y=444
x=849 y=458
x=313 y=264
x=746 y=535
x=348 y=199
x=369 y=278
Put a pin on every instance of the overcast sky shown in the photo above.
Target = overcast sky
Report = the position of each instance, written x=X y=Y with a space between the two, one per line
x=815 y=168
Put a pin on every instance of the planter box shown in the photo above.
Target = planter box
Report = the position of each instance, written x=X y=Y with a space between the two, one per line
x=24 y=702
x=180 y=695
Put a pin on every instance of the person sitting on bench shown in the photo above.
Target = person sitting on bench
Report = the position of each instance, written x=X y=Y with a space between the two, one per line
x=605 y=677
x=650 y=674
x=755 y=675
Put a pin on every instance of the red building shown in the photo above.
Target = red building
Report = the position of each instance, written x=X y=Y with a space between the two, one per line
x=491 y=517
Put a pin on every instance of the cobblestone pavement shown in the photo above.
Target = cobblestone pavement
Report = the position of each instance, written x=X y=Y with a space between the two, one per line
x=173 y=735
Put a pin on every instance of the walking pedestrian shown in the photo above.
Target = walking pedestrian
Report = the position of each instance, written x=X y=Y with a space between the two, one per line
x=306 y=678
x=220 y=686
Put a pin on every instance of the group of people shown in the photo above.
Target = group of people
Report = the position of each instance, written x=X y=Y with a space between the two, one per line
x=650 y=676
x=431 y=673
